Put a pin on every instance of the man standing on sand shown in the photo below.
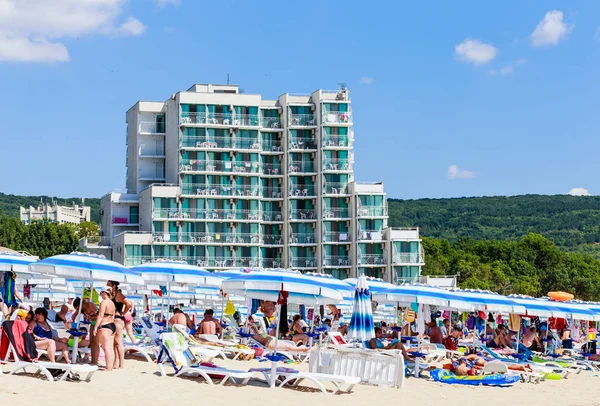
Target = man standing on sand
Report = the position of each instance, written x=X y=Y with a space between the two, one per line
x=209 y=325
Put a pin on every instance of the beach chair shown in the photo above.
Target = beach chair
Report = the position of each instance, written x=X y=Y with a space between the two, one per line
x=293 y=377
x=199 y=349
x=228 y=347
x=175 y=349
x=17 y=352
x=337 y=340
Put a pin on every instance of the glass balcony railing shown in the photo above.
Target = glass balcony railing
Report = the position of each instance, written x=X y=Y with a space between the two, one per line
x=152 y=127
x=271 y=263
x=336 y=260
x=333 y=141
x=198 y=189
x=213 y=237
x=337 y=117
x=165 y=236
x=301 y=167
x=189 y=141
x=336 y=165
x=271 y=192
x=272 y=239
x=271 y=146
x=302 y=238
x=302 y=144
x=206 y=118
x=336 y=213
x=271 y=168
x=371 y=259
x=271 y=123
x=303 y=262
x=245 y=120
x=336 y=236
x=371 y=211
x=302 y=120
x=225 y=262
x=335 y=188
x=408 y=258
x=125 y=220
x=298 y=214
x=190 y=165
x=302 y=191
x=271 y=216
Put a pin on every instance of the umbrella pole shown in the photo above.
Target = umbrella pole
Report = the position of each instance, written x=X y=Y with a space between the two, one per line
x=75 y=325
x=273 y=361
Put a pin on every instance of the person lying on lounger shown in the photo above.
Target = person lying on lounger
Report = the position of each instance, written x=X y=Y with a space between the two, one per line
x=269 y=341
x=377 y=344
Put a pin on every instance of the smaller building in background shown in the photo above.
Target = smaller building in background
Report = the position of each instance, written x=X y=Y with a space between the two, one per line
x=56 y=214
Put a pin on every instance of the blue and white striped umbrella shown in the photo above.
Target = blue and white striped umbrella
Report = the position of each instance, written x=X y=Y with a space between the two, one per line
x=177 y=272
x=376 y=285
x=266 y=285
x=422 y=294
x=330 y=283
x=86 y=266
x=490 y=301
x=16 y=261
x=361 y=324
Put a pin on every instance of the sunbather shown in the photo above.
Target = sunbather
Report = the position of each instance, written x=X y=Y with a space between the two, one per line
x=500 y=339
x=451 y=341
x=435 y=333
x=209 y=325
x=105 y=327
x=179 y=317
x=46 y=338
x=269 y=341
x=376 y=343
x=297 y=332
x=531 y=340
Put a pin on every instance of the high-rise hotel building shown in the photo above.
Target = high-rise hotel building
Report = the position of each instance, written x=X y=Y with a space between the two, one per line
x=223 y=179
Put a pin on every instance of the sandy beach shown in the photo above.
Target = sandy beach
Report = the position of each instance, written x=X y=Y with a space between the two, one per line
x=140 y=383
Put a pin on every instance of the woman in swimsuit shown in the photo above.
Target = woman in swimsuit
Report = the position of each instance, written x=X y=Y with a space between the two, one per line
x=297 y=331
x=123 y=306
x=105 y=327
x=88 y=309
x=269 y=342
x=46 y=338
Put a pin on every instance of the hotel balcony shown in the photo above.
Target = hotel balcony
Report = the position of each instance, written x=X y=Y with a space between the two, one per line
x=337 y=117
x=270 y=123
x=302 y=215
x=302 y=120
x=206 y=119
x=199 y=189
x=165 y=236
x=371 y=260
x=190 y=141
x=152 y=128
x=213 y=166
x=224 y=262
x=271 y=146
x=302 y=191
x=212 y=237
x=371 y=211
x=370 y=235
x=336 y=213
x=408 y=258
x=269 y=192
x=271 y=216
x=245 y=120
x=271 y=169
x=271 y=263
x=337 y=237
x=302 y=144
x=125 y=221
x=303 y=262
x=272 y=239
x=336 y=189
x=302 y=167
x=303 y=239
x=337 y=261
x=336 y=142
x=336 y=165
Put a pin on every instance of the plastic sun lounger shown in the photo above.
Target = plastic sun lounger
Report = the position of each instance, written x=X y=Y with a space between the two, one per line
x=543 y=369
x=228 y=347
x=287 y=376
x=200 y=350
x=175 y=348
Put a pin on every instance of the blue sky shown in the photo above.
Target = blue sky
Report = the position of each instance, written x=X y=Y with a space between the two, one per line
x=449 y=98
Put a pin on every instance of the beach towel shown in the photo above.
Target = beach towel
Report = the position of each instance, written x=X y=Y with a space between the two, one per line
x=17 y=333
x=445 y=376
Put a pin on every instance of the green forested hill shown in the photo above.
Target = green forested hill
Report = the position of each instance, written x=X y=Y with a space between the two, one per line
x=9 y=204
x=571 y=222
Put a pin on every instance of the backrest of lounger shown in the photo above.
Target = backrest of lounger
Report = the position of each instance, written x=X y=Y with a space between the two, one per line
x=178 y=349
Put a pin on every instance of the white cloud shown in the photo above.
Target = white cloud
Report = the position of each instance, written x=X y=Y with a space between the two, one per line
x=508 y=69
x=34 y=30
x=475 y=51
x=131 y=27
x=366 y=80
x=550 y=30
x=579 y=191
x=164 y=3
x=454 y=172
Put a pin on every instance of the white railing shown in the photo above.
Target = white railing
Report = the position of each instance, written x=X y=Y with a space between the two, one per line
x=371 y=211
x=302 y=191
x=137 y=260
x=302 y=120
x=301 y=167
x=173 y=213
x=330 y=164
x=371 y=259
x=272 y=239
x=336 y=236
x=297 y=214
x=336 y=213
x=337 y=117
x=206 y=118
x=219 y=166
x=370 y=235
x=336 y=260
x=151 y=127
x=302 y=238
x=212 y=237
x=408 y=258
x=206 y=142
x=303 y=262
x=271 y=146
x=335 y=188
x=165 y=236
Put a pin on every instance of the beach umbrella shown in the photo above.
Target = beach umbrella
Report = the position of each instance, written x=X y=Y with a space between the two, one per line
x=16 y=262
x=361 y=323
x=375 y=285
x=406 y=294
x=486 y=300
x=86 y=267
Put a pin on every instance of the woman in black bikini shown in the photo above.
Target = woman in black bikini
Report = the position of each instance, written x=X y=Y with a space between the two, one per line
x=123 y=306
x=105 y=327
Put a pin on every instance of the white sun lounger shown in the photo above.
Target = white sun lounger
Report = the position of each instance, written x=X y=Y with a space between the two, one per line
x=287 y=376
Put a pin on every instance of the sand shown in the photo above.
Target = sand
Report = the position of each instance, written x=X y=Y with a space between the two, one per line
x=141 y=384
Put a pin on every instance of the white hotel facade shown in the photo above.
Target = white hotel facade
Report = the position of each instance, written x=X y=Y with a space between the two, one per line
x=223 y=179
